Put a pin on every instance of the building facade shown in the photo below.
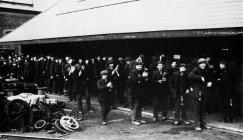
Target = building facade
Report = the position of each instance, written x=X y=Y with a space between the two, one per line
x=13 y=14
x=192 y=28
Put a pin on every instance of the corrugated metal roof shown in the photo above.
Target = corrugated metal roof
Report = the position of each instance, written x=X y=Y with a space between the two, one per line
x=72 y=18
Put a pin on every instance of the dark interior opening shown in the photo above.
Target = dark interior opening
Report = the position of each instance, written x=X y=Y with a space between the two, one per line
x=215 y=47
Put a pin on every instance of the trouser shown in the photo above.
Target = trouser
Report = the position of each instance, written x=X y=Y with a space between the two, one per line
x=105 y=109
x=227 y=106
x=55 y=85
x=50 y=85
x=198 y=113
x=79 y=97
x=130 y=97
x=180 y=109
x=120 y=94
x=113 y=98
x=46 y=81
x=87 y=98
x=92 y=88
x=137 y=110
x=58 y=85
x=41 y=80
x=37 y=77
x=26 y=76
x=72 y=90
x=218 y=103
x=171 y=102
x=160 y=103
x=228 y=113
x=65 y=87
x=210 y=101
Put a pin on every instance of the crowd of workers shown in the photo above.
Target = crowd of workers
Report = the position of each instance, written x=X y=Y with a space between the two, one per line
x=131 y=82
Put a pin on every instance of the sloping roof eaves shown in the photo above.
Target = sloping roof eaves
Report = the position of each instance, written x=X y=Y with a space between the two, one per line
x=138 y=35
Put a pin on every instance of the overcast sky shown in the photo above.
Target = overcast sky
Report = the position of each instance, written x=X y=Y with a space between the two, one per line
x=44 y=4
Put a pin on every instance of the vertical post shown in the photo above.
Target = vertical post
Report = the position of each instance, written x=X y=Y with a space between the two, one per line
x=241 y=77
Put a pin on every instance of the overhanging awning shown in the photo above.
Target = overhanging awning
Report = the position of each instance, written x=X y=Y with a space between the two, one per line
x=85 y=20
x=139 y=35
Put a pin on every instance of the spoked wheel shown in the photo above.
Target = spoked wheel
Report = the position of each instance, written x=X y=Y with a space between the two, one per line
x=18 y=112
x=40 y=124
x=69 y=123
x=59 y=127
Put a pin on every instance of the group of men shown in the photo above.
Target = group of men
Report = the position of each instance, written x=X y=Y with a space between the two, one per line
x=128 y=82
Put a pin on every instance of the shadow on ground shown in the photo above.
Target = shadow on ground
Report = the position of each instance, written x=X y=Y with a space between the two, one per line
x=177 y=130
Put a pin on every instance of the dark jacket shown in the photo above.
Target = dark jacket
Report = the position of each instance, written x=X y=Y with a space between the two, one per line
x=48 y=67
x=104 y=91
x=74 y=82
x=157 y=75
x=82 y=77
x=73 y=77
x=197 y=85
x=112 y=77
x=32 y=70
x=65 y=70
x=225 y=81
x=178 y=83
x=136 y=83
x=5 y=70
x=92 y=71
x=58 y=75
x=122 y=76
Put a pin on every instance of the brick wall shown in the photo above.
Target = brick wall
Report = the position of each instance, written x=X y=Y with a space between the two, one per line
x=12 y=20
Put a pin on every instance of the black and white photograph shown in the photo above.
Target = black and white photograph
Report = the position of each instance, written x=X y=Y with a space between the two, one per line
x=121 y=69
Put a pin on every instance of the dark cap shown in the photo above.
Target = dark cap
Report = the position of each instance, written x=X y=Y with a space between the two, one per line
x=182 y=65
x=77 y=67
x=138 y=63
x=104 y=72
x=154 y=58
x=110 y=62
x=223 y=62
x=128 y=58
x=159 y=62
x=141 y=56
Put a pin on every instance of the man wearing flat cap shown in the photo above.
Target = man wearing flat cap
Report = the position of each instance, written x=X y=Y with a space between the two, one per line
x=105 y=94
x=199 y=83
x=179 y=87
